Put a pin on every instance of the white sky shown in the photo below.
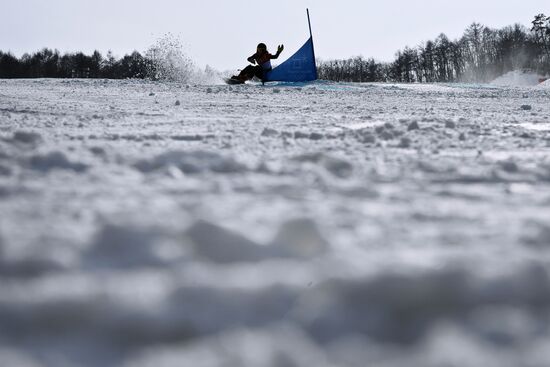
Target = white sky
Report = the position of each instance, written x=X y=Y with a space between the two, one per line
x=223 y=33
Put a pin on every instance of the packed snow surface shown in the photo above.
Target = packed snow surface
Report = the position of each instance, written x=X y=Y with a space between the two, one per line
x=321 y=224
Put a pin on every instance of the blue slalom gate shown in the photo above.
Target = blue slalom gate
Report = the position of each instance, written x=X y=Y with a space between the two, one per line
x=300 y=67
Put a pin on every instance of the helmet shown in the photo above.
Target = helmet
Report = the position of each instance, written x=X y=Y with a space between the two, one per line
x=262 y=46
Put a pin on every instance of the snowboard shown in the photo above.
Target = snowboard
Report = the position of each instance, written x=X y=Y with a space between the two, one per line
x=233 y=81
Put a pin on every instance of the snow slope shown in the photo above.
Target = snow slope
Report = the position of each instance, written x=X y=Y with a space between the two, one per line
x=323 y=224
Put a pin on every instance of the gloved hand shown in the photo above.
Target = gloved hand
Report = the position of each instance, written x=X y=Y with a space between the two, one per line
x=280 y=48
x=251 y=60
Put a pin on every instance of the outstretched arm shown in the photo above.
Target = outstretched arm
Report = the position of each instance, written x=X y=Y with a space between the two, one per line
x=279 y=50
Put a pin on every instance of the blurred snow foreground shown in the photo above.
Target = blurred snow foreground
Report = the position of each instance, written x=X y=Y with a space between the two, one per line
x=167 y=224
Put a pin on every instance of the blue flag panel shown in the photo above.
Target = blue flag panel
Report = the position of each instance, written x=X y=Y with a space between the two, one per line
x=300 y=67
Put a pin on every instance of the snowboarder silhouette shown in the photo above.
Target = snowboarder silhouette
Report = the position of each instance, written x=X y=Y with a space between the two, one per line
x=261 y=61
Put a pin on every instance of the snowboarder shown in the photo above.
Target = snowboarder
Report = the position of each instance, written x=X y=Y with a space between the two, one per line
x=262 y=58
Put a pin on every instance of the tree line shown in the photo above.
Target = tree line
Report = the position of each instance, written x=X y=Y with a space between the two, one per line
x=48 y=63
x=480 y=55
